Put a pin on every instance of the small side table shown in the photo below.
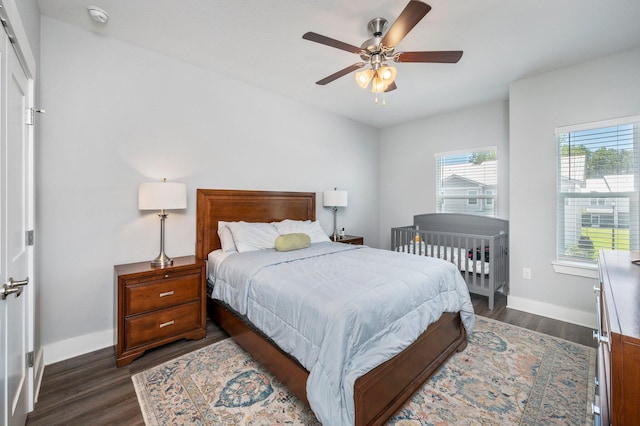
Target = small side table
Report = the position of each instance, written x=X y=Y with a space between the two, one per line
x=349 y=239
x=158 y=305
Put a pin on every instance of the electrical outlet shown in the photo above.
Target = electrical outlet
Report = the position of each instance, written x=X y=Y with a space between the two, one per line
x=526 y=273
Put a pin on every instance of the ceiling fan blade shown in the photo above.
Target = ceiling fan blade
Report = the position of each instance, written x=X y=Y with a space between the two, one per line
x=409 y=17
x=444 y=56
x=327 y=41
x=340 y=73
x=391 y=87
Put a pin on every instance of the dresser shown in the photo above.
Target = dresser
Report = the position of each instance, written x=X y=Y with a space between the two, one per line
x=617 y=399
x=158 y=305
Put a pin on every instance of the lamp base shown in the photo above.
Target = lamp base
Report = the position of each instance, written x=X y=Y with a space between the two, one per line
x=162 y=260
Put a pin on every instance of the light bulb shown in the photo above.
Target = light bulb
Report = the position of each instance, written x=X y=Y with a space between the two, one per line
x=388 y=74
x=378 y=85
x=364 y=77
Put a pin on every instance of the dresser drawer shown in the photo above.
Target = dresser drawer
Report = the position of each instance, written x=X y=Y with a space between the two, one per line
x=154 y=326
x=161 y=292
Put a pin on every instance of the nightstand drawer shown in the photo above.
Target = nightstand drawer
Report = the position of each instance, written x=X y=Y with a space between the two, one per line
x=161 y=293
x=147 y=328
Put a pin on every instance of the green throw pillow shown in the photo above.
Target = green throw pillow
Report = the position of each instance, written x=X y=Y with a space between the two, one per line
x=288 y=242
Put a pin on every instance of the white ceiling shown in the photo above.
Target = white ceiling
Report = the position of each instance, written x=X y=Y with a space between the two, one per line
x=260 y=42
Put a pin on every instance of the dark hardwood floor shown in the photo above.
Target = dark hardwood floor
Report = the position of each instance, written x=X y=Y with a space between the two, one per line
x=89 y=389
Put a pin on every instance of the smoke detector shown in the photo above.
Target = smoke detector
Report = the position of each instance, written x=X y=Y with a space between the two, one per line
x=98 y=14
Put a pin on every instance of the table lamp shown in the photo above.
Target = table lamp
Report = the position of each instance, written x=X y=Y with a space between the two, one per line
x=334 y=199
x=162 y=196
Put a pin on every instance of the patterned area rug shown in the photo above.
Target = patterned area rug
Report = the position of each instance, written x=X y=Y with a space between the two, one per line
x=507 y=375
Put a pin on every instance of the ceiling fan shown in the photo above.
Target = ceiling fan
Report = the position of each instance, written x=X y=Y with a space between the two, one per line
x=379 y=49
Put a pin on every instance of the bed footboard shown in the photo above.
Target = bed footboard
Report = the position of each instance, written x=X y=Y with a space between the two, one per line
x=379 y=393
x=384 y=390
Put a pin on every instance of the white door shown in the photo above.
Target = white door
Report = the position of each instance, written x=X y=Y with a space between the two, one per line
x=15 y=219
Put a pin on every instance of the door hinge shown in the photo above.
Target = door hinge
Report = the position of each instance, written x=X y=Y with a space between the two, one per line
x=30 y=359
x=30 y=237
x=31 y=116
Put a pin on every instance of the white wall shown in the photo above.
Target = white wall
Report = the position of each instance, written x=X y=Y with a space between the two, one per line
x=118 y=115
x=408 y=167
x=597 y=90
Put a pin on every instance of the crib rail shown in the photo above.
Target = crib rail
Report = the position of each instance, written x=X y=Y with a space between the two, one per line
x=482 y=259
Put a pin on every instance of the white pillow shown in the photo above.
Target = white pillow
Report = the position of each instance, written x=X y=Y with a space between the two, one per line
x=250 y=236
x=313 y=229
x=226 y=238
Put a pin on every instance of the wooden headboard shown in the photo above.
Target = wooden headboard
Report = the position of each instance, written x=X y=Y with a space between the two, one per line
x=214 y=205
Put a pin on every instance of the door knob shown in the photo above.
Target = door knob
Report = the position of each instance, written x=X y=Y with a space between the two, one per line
x=13 y=287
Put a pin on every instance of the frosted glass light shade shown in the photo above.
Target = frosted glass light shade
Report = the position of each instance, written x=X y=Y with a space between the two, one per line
x=388 y=74
x=364 y=77
x=162 y=196
x=334 y=199
x=383 y=79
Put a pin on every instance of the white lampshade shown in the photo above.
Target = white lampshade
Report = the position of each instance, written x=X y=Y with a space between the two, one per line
x=334 y=198
x=162 y=196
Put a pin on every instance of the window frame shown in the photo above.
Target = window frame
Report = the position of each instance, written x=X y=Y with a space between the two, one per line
x=584 y=267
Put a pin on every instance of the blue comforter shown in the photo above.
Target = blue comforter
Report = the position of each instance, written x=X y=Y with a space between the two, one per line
x=341 y=310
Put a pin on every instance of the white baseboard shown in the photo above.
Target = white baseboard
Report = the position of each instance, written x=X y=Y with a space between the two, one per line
x=38 y=372
x=586 y=319
x=65 y=349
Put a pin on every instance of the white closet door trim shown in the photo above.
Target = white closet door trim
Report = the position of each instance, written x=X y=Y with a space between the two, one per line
x=20 y=41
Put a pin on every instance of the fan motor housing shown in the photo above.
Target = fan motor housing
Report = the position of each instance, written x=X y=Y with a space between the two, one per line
x=373 y=46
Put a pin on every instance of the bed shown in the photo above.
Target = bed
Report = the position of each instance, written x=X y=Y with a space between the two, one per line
x=477 y=245
x=383 y=389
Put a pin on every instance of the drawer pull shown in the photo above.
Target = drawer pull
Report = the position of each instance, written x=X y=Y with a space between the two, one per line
x=598 y=334
x=165 y=324
x=166 y=293
x=166 y=275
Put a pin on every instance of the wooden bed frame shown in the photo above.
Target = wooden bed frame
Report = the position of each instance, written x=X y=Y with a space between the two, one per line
x=377 y=394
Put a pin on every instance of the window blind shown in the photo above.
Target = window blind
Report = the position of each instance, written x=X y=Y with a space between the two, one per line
x=597 y=187
x=467 y=182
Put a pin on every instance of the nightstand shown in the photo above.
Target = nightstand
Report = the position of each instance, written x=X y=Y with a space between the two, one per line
x=349 y=239
x=158 y=305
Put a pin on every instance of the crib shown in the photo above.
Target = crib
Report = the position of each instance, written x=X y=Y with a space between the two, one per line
x=477 y=245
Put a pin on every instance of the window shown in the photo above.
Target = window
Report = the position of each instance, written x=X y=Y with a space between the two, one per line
x=489 y=201
x=597 y=185
x=472 y=199
x=467 y=182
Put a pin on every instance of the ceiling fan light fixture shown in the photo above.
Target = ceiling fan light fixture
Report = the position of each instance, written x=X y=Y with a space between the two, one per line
x=378 y=85
x=388 y=74
x=364 y=77
x=383 y=78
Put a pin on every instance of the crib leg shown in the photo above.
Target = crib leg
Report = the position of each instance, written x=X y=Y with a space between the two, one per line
x=491 y=301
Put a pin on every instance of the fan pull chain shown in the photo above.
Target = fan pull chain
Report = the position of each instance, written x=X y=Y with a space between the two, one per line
x=384 y=100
